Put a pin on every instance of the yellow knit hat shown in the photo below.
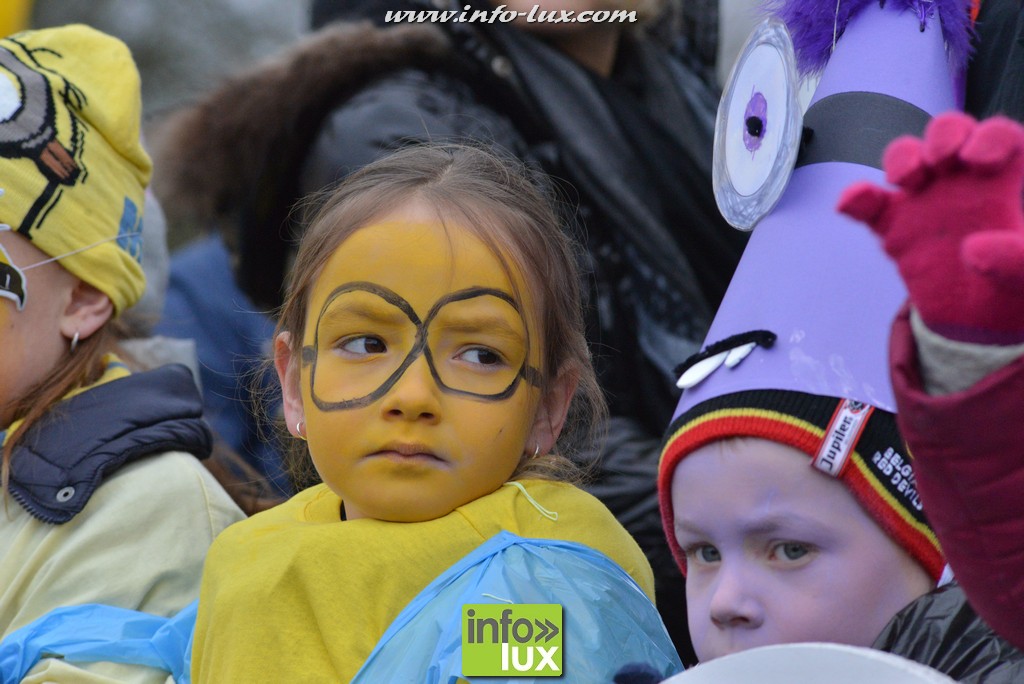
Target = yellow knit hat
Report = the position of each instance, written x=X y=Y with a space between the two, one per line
x=72 y=168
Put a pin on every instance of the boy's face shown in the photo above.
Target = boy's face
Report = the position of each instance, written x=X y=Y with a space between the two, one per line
x=417 y=370
x=779 y=553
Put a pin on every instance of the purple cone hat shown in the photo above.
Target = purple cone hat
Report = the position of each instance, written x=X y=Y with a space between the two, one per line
x=814 y=278
x=798 y=350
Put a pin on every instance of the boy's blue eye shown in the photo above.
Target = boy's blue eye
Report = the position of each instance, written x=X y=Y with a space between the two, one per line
x=709 y=554
x=703 y=553
x=792 y=550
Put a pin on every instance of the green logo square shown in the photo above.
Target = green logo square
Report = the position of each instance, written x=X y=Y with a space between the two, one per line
x=512 y=640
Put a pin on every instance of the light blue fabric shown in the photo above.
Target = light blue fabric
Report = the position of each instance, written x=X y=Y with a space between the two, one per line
x=92 y=632
x=607 y=620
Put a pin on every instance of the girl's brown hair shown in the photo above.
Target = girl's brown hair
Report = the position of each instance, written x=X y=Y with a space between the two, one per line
x=512 y=211
x=83 y=367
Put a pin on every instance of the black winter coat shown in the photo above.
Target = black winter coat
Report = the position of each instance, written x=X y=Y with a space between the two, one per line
x=941 y=630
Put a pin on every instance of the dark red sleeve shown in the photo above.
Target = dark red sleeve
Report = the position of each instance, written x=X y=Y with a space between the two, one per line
x=968 y=451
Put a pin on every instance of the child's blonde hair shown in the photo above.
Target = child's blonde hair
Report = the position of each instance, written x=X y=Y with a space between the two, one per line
x=511 y=210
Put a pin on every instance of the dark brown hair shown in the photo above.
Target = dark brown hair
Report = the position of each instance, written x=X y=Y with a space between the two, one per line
x=511 y=210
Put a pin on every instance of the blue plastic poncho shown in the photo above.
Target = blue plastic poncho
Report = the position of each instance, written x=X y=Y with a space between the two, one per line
x=607 y=622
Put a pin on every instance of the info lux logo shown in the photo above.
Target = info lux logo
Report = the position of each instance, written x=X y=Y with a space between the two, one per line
x=519 y=639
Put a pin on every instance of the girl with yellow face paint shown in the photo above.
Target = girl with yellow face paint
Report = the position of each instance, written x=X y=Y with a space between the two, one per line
x=432 y=361
x=418 y=390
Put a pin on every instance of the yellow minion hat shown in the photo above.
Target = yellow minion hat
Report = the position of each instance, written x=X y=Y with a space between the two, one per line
x=73 y=172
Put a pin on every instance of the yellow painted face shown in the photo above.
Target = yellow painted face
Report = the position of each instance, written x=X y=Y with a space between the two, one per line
x=419 y=376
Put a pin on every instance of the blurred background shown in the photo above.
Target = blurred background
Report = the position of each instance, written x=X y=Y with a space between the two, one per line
x=186 y=47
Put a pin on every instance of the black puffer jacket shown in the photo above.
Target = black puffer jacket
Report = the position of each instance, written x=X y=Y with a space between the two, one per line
x=61 y=460
x=632 y=154
x=941 y=630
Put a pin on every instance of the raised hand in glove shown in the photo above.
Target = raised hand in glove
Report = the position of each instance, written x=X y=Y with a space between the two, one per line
x=955 y=224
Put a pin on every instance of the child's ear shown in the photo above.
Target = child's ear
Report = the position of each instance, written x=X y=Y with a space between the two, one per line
x=87 y=310
x=289 y=374
x=552 y=411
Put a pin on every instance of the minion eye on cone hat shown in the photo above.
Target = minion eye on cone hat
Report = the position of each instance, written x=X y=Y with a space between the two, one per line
x=797 y=352
x=73 y=172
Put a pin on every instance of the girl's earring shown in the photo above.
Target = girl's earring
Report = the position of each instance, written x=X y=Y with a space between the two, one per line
x=300 y=430
x=536 y=451
x=74 y=342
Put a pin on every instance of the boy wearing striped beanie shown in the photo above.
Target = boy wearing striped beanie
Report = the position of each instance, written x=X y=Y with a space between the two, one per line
x=794 y=517
x=786 y=491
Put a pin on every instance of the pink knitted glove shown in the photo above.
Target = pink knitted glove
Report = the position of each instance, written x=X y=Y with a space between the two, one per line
x=955 y=225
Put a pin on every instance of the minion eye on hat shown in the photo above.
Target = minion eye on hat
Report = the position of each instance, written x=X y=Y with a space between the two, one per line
x=72 y=168
x=797 y=352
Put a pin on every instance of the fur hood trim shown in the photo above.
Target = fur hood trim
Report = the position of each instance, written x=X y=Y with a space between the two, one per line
x=213 y=157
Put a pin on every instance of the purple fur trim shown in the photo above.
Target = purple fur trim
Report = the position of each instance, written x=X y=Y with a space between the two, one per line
x=812 y=23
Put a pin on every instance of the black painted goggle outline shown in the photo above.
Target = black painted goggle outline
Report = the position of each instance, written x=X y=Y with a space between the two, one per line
x=309 y=353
